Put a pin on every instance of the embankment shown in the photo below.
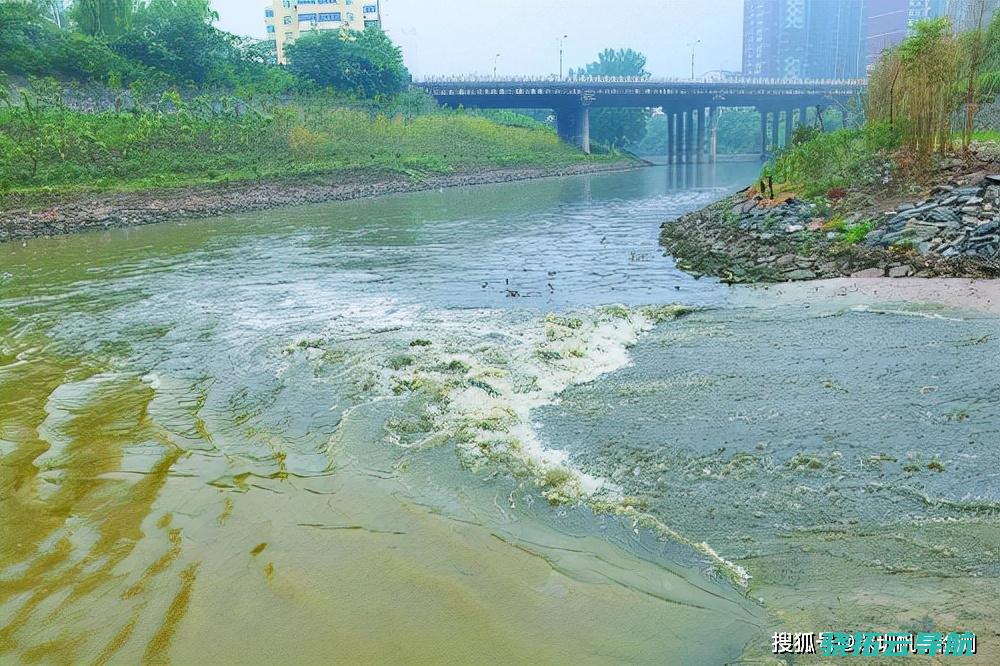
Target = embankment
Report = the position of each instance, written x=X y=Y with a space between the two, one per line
x=89 y=211
x=949 y=227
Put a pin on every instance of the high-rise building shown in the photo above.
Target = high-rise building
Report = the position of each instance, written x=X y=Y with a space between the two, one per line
x=888 y=22
x=965 y=14
x=803 y=39
x=287 y=19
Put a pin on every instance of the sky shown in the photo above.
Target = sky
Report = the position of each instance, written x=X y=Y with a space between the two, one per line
x=464 y=36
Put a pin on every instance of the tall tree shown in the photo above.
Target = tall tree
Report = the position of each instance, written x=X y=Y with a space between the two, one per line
x=178 y=37
x=103 y=18
x=617 y=127
x=364 y=63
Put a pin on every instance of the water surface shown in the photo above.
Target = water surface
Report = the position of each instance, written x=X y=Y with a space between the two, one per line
x=444 y=426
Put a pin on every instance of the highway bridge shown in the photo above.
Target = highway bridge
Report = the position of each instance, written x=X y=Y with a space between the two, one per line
x=692 y=106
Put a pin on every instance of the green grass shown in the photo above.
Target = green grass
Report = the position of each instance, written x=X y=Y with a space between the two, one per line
x=54 y=150
x=986 y=135
x=845 y=158
x=855 y=234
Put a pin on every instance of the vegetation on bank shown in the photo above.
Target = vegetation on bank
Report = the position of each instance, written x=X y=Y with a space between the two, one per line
x=182 y=103
x=923 y=97
x=47 y=148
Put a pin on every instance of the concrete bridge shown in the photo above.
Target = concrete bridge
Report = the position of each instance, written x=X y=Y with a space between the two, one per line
x=692 y=106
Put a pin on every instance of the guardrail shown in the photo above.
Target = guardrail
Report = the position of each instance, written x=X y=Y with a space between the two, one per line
x=577 y=80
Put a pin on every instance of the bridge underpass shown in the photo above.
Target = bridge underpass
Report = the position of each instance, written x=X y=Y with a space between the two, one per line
x=692 y=107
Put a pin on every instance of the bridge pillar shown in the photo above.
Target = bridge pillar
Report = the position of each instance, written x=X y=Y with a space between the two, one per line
x=775 y=126
x=700 y=148
x=573 y=126
x=788 y=126
x=671 y=119
x=763 y=131
x=803 y=116
x=689 y=140
x=585 y=129
x=713 y=133
x=678 y=137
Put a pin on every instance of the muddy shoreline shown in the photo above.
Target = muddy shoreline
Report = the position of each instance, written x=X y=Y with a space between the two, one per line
x=88 y=212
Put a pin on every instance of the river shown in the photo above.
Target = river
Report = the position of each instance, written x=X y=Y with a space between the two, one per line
x=490 y=423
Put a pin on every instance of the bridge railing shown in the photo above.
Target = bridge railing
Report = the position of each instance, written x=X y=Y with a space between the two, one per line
x=577 y=80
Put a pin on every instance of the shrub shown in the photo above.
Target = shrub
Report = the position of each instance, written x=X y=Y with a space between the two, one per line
x=844 y=158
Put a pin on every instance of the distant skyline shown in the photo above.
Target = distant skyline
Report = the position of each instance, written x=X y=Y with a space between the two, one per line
x=459 y=37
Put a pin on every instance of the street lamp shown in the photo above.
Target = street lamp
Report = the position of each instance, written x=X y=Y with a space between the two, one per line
x=564 y=37
x=496 y=59
x=692 y=45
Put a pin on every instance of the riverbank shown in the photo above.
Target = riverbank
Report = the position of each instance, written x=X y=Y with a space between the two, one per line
x=944 y=225
x=86 y=212
x=958 y=294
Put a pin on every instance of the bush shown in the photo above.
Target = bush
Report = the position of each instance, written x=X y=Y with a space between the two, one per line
x=844 y=158
x=364 y=63
x=46 y=145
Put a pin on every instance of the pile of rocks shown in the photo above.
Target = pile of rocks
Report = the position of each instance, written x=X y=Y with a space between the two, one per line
x=955 y=232
x=952 y=222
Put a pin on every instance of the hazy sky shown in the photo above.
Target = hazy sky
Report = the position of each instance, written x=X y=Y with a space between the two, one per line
x=463 y=36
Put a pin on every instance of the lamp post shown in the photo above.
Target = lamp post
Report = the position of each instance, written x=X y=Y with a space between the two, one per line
x=496 y=59
x=561 y=39
x=692 y=46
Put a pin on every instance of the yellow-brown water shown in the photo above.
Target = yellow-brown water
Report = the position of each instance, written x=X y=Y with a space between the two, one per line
x=194 y=462
x=331 y=434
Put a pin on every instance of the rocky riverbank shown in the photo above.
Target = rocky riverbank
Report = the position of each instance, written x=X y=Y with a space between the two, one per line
x=948 y=229
x=86 y=212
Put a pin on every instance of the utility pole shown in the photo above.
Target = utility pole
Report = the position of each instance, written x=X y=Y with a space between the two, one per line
x=692 y=45
x=496 y=59
x=561 y=39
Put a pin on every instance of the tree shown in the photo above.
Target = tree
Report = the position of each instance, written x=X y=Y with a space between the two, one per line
x=364 y=63
x=178 y=37
x=102 y=18
x=916 y=88
x=617 y=127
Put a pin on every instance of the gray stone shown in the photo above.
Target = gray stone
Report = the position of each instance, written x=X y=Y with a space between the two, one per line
x=922 y=232
x=800 y=274
x=901 y=271
x=993 y=178
x=869 y=273
x=987 y=228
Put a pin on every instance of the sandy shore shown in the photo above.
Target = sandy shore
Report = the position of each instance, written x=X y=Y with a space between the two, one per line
x=85 y=212
x=960 y=293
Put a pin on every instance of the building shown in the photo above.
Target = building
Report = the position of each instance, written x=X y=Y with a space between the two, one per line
x=965 y=14
x=285 y=20
x=888 y=22
x=804 y=39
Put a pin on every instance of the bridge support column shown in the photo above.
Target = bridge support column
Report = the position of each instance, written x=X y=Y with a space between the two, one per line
x=713 y=133
x=573 y=126
x=775 y=127
x=700 y=148
x=763 y=132
x=670 y=135
x=788 y=126
x=803 y=116
x=689 y=138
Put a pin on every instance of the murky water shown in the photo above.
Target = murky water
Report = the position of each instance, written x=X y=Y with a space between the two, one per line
x=447 y=426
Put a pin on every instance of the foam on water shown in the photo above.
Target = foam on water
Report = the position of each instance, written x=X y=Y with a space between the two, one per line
x=476 y=380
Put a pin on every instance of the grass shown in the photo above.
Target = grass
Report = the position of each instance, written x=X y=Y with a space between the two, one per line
x=855 y=234
x=845 y=158
x=986 y=135
x=54 y=150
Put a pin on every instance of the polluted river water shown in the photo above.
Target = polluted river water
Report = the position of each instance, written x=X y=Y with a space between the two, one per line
x=489 y=423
